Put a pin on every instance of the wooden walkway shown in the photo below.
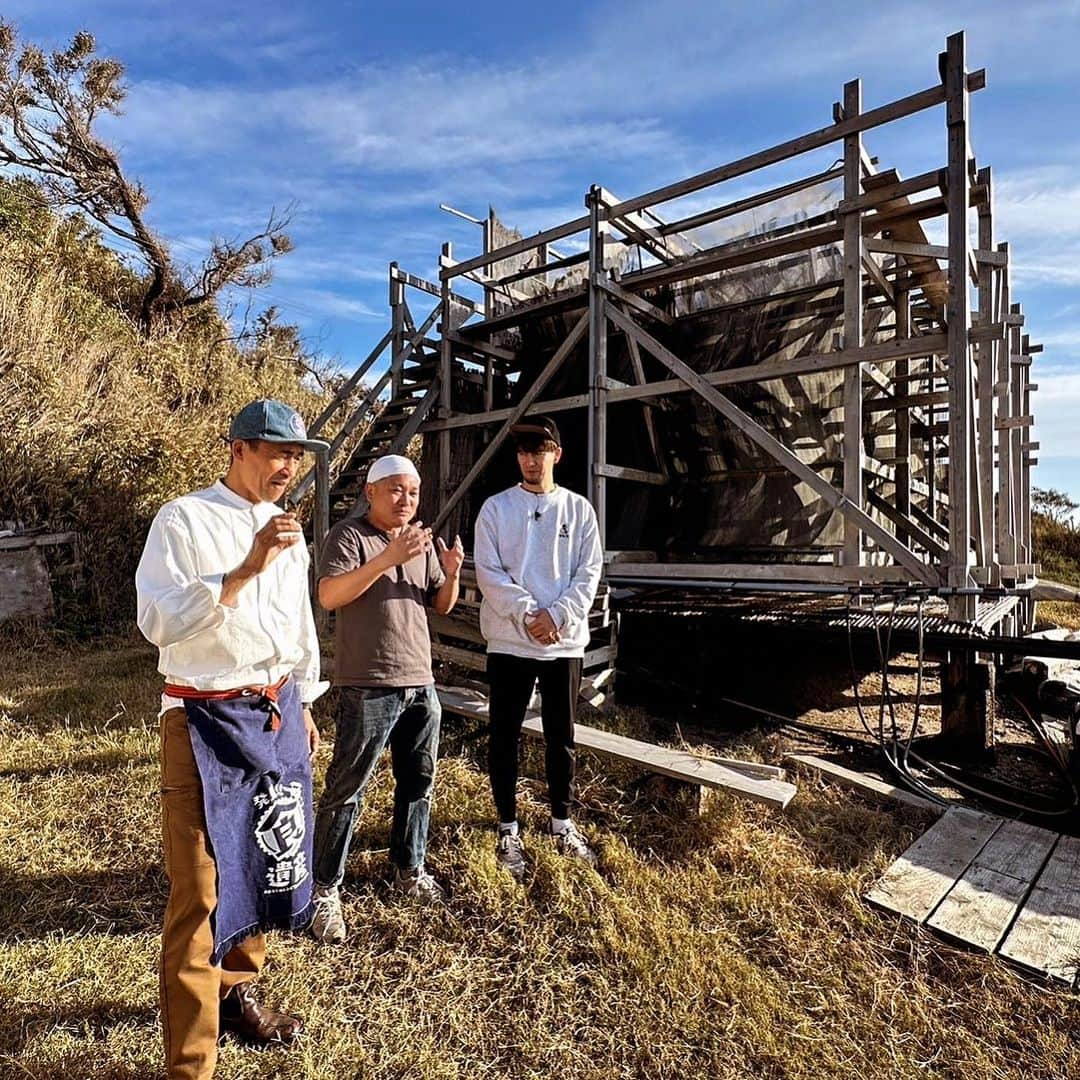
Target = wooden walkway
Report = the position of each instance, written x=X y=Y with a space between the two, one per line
x=998 y=886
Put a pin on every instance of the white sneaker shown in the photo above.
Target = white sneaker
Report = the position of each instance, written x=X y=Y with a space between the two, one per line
x=328 y=925
x=419 y=884
x=510 y=854
x=572 y=844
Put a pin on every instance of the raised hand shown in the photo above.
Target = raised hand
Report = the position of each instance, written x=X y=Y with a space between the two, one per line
x=408 y=542
x=451 y=558
x=279 y=533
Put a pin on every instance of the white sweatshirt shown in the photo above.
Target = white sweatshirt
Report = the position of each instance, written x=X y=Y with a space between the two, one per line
x=193 y=543
x=536 y=552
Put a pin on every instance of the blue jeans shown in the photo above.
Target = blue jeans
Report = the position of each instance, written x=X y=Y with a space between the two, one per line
x=369 y=719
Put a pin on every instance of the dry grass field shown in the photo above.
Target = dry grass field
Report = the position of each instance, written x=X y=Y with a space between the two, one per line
x=731 y=946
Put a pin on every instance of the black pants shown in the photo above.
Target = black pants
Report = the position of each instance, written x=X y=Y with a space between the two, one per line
x=512 y=679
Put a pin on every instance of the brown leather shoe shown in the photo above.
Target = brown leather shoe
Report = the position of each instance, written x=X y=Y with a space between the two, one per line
x=244 y=1017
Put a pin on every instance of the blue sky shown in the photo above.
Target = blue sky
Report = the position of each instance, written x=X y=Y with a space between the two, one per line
x=367 y=115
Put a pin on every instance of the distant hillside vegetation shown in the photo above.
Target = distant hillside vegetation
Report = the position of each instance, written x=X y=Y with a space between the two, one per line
x=1055 y=536
x=100 y=424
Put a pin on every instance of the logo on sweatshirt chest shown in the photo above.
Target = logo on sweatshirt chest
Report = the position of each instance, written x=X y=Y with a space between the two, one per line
x=564 y=531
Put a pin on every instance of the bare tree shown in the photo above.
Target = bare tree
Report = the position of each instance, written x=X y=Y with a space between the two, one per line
x=49 y=105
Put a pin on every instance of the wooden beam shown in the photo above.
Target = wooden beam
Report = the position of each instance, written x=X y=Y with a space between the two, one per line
x=853 y=329
x=887 y=192
x=740 y=206
x=800 y=365
x=432 y=289
x=518 y=247
x=596 y=422
x=483 y=347
x=621 y=472
x=871 y=786
x=906 y=525
x=753 y=373
x=913 y=103
x=746 y=779
x=958 y=318
x=27 y=540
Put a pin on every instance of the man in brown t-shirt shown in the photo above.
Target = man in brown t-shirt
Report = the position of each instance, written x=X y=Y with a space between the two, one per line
x=379 y=573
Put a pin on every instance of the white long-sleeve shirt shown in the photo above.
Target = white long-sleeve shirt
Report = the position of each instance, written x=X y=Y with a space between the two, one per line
x=536 y=551
x=193 y=543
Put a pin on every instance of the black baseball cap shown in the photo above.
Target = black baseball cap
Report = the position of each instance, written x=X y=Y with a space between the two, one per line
x=536 y=427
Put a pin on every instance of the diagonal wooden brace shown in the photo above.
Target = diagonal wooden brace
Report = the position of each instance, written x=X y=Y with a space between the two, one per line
x=776 y=449
x=522 y=406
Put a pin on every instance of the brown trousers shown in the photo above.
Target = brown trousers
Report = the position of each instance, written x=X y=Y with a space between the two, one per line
x=191 y=987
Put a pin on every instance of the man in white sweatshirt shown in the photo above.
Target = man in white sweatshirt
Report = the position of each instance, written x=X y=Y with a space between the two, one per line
x=538 y=564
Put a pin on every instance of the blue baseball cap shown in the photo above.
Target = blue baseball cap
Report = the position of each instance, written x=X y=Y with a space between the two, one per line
x=272 y=421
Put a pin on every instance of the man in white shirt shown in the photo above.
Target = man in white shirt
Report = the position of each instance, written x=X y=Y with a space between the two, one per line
x=223 y=592
x=538 y=565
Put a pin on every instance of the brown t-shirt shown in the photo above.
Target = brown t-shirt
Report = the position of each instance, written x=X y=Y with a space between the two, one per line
x=382 y=636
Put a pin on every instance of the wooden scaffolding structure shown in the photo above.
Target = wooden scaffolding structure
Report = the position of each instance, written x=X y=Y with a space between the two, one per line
x=931 y=339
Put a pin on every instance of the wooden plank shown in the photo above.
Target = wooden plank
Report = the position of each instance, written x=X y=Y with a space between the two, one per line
x=26 y=540
x=1046 y=935
x=622 y=472
x=1015 y=422
x=483 y=347
x=904 y=247
x=826 y=573
x=448 y=626
x=748 y=779
x=918 y=881
x=861 y=782
x=678 y=764
x=474 y=661
x=980 y=906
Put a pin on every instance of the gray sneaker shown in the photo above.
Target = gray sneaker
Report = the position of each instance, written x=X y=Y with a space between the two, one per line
x=328 y=925
x=573 y=845
x=419 y=884
x=510 y=854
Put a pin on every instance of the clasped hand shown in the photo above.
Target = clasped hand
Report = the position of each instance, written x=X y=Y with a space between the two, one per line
x=542 y=629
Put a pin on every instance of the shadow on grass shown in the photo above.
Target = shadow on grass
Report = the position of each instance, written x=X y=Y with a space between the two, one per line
x=87 y=1065
x=20 y=1026
x=114 y=902
x=91 y=763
